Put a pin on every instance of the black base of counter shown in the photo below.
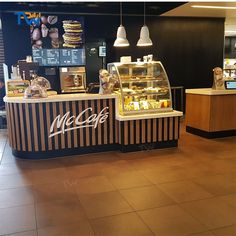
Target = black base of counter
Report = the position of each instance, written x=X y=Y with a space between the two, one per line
x=65 y=152
x=149 y=146
x=211 y=135
x=93 y=149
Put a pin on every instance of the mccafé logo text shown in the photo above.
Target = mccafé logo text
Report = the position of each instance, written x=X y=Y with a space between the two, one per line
x=63 y=123
x=31 y=18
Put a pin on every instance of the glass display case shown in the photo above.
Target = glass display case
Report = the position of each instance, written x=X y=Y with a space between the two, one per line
x=229 y=68
x=143 y=87
x=229 y=73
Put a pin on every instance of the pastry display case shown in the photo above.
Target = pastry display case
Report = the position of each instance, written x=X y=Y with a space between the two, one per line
x=143 y=87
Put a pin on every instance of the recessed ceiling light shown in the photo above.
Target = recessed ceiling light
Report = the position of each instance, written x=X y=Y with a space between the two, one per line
x=214 y=7
x=154 y=7
x=92 y=5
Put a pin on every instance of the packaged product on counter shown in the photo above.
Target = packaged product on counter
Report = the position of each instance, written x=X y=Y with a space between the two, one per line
x=35 y=91
x=16 y=87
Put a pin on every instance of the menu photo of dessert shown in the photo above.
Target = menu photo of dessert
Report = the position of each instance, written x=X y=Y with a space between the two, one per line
x=46 y=34
x=73 y=36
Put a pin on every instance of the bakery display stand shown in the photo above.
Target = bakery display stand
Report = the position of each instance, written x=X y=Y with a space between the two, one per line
x=146 y=119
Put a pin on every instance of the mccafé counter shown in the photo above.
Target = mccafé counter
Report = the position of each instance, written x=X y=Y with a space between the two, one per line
x=73 y=124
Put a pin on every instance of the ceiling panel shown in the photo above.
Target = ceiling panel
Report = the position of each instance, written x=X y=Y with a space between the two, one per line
x=229 y=14
x=132 y=8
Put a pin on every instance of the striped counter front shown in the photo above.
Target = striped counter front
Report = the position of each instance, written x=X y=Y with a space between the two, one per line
x=149 y=133
x=73 y=125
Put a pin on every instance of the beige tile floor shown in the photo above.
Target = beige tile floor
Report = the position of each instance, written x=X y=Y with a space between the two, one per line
x=184 y=191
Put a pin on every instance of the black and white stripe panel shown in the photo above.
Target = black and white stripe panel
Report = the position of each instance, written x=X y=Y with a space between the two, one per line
x=29 y=125
x=149 y=130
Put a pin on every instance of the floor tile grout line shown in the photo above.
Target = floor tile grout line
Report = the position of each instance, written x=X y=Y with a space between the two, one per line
x=133 y=209
x=35 y=212
x=84 y=213
x=210 y=197
x=215 y=195
x=149 y=208
x=144 y=223
x=63 y=224
x=3 y=150
x=184 y=179
x=19 y=232
x=206 y=231
x=194 y=217
x=224 y=227
x=186 y=213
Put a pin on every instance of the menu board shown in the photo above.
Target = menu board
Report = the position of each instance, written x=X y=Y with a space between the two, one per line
x=53 y=56
x=59 y=57
x=58 y=41
x=38 y=56
x=72 y=57
x=46 y=57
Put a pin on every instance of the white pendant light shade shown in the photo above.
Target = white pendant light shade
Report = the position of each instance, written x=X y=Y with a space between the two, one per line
x=144 y=39
x=121 y=40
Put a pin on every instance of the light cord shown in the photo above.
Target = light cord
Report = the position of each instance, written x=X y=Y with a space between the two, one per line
x=144 y=13
x=121 y=13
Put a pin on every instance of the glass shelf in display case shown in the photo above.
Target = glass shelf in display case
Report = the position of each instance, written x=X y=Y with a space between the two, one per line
x=143 y=87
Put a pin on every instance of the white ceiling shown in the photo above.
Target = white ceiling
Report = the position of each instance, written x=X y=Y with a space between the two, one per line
x=228 y=14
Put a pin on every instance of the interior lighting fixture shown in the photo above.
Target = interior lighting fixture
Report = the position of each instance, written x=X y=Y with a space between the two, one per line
x=121 y=40
x=144 y=39
x=214 y=7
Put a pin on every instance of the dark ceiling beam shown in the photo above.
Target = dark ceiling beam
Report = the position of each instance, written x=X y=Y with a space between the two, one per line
x=90 y=8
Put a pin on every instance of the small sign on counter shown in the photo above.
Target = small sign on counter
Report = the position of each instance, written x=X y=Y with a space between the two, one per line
x=16 y=88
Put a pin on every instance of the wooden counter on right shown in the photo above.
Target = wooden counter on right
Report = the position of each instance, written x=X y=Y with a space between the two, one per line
x=211 y=113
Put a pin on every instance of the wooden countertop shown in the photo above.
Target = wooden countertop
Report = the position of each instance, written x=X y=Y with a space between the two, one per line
x=209 y=91
x=149 y=116
x=59 y=98
x=85 y=96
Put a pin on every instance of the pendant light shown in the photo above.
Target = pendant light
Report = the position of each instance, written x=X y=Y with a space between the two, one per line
x=121 y=40
x=144 y=39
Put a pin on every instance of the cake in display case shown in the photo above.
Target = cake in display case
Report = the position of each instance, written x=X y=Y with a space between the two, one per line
x=143 y=87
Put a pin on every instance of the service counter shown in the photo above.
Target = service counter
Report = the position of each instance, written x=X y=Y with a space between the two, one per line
x=75 y=124
x=211 y=113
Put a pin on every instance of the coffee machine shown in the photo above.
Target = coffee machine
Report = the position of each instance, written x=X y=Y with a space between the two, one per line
x=73 y=79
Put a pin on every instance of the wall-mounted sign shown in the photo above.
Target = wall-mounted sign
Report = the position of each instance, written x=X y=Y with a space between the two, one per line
x=30 y=18
x=102 y=51
x=63 y=124
x=58 y=41
x=56 y=31
x=59 y=57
